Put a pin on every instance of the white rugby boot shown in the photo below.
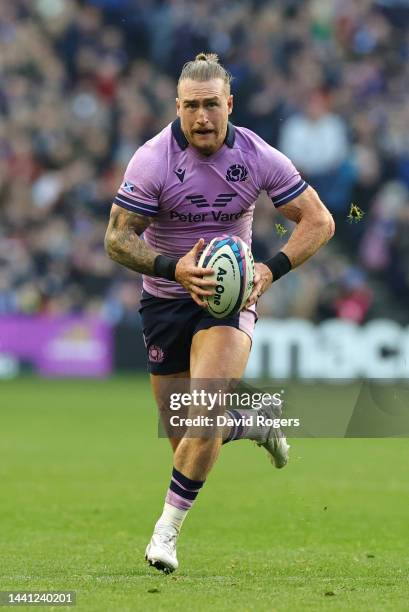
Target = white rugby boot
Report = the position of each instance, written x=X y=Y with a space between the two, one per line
x=275 y=442
x=161 y=550
x=278 y=447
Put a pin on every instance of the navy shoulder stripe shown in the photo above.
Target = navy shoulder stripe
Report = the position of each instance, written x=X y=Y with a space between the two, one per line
x=134 y=206
x=289 y=194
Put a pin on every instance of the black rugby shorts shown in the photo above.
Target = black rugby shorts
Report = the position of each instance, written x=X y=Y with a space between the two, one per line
x=169 y=325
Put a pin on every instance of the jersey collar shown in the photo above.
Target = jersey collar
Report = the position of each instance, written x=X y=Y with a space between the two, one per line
x=183 y=143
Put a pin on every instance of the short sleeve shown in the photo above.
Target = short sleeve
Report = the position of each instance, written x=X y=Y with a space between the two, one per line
x=279 y=177
x=142 y=184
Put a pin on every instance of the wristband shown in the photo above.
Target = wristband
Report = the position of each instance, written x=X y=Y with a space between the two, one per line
x=279 y=265
x=164 y=267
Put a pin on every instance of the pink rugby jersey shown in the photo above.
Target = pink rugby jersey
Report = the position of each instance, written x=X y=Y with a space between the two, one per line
x=191 y=196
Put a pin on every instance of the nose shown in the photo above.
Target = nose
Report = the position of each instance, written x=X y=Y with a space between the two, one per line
x=202 y=116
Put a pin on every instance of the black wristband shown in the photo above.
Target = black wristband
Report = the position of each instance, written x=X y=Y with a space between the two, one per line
x=164 y=267
x=279 y=265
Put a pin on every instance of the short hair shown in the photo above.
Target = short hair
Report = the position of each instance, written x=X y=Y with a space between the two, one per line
x=205 y=67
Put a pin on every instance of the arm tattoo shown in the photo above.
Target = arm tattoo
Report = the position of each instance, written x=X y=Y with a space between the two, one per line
x=123 y=244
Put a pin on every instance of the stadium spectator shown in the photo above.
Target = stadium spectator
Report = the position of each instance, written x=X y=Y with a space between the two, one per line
x=317 y=142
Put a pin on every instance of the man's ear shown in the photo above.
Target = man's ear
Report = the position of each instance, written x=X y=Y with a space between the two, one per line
x=178 y=107
x=230 y=104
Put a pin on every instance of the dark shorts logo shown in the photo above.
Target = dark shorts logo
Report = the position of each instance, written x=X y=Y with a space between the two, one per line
x=155 y=354
x=237 y=173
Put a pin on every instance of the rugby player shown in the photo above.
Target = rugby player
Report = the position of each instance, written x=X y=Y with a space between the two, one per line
x=197 y=179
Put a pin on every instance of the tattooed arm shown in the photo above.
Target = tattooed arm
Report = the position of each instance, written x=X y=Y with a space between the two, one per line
x=123 y=244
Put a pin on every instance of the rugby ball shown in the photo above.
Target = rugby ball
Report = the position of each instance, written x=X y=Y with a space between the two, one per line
x=233 y=265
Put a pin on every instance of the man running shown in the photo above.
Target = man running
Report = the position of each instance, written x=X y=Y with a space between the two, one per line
x=197 y=179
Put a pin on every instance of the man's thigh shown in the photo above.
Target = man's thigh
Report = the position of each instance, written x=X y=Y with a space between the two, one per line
x=218 y=359
x=221 y=347
x=219 y=352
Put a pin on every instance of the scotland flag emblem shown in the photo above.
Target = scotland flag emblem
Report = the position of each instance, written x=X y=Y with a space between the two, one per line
x=129 y=187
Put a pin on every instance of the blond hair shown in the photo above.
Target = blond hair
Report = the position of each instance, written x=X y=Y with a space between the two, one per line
x=205 y=67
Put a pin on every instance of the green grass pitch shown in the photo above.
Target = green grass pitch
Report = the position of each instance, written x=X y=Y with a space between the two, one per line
x=83 y=476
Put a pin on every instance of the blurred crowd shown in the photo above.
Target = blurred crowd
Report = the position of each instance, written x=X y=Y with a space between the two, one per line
x=84 y=83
